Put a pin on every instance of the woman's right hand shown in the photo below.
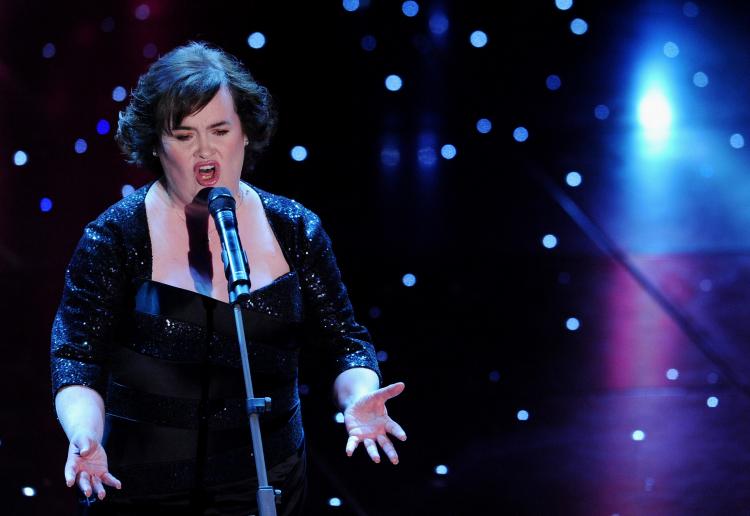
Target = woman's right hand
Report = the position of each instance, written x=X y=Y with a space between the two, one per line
x=87 y=466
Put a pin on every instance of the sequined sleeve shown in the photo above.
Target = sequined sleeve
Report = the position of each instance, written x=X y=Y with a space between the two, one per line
x=327 y=307
x=88 y=311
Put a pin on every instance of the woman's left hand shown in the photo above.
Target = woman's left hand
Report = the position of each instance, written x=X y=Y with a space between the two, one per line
x=367 y=422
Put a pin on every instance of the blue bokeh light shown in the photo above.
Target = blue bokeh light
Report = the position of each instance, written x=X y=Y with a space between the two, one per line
x=574 y=179
x=409 y=280
x=441 y=469
x=494 y=376
x=298 y=153
x=478 y=39
x=737 y=141
x=108 y=24
x=579 y=26
x=522 y=415
x=150 y=51
x=127 y=190
x=142 y=12
x=119 y=94
x=102 y=126
x=45 y=204
x=427 y=156
x=638 y=435
x=549 y=241
x=410 y=8
x=671 y=49
x=553 y=82
x=601 y=112
x=350 y=5
x=20 y=158
x=393 y=82
x=690 y=9
x=438 y=23
x=390 y=156
x=334 y=502
x=448 y=151
x=256 y=40
x=564 y=5
x=80 y=146
x=572 y=324
x=368 y=43
x=700 y=79
x=382 y=356
x=520 y=134
x=672 y=374
x=28 y=491
x=712 y=402
x=49 y=51
x=484 y=125
x=339 y=417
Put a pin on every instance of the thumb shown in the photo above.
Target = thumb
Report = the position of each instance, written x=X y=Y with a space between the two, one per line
x=86 y=445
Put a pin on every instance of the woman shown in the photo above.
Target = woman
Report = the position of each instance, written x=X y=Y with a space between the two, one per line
x=144 y=356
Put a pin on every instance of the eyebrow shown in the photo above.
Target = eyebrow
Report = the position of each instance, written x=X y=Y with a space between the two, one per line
x=212 y=126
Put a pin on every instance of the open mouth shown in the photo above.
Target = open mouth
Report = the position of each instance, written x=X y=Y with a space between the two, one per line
x=207 y=174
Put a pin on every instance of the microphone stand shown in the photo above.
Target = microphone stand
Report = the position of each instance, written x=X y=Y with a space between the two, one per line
x=221 y=206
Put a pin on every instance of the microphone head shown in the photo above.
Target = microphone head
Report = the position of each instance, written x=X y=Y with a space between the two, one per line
x=220 y=199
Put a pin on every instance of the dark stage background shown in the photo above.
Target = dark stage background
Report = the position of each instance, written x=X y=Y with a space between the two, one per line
x=573 y=335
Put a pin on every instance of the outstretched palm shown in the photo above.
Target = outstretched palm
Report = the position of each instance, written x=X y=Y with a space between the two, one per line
x=87 y=462
x=368 y=422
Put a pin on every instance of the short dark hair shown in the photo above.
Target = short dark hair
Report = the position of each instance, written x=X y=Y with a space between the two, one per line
x=181 y=83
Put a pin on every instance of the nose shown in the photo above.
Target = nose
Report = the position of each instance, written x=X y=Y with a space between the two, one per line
x=204 y=149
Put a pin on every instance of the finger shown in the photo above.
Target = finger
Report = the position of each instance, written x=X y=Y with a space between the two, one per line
x=372 y=450
x=99 y=490
x=395 y=430
x=109 y=479
x=84 y=482
x=388 y=448
x=390 y=391
x=352 y=444
x=86 y=446
x=70 y=471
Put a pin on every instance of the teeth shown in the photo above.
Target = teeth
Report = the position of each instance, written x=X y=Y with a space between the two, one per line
x=206 y=169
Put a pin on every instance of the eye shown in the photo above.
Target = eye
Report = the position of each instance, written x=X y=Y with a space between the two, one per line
x=182 y=137
x=222 y=132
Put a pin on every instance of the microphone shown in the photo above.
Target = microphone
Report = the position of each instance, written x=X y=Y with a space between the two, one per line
x=221 y=205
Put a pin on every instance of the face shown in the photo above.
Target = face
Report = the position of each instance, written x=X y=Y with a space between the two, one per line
x=206 y=149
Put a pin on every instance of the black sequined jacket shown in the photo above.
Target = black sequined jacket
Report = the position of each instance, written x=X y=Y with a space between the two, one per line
x=165 y=360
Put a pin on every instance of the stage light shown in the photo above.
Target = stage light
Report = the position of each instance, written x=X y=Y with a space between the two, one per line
x=28 y=491
x=484 y=126
x=45 y=204
x=438 y=23
x=409 y=280
x=334 y=502
x=553 y=82
x=150 y=51
x=690 y=9
x=339 y=417
x=368 y=43
x=706 y=285
x=522 y=415
x=572 y=324
x=494 y=376
x=712 y=378
x=700 y=79
x=564 y=5
x=119 y=94
x=256 y=40
x=102 y=126
x=351 y=5
x=80 y=146
x=142 y=12
x=478 y=39
x=579 y=26
x=441 y=469
x=426 y=156
x=390 y=156
x=737 y=141
x=410 y=8
x=448 y=151
x=382 y=356
x=712 y=402
x=673 y=374
x=638 y=435
x=655 y=115
x=48 y=51
x=520 y=134
x=127 y=190
x=393 y=82
x=573 y=179
x=20 y=158
x=601 y=112
x=671 y=49
x=299 y=153
x=549 y=241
